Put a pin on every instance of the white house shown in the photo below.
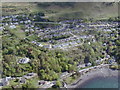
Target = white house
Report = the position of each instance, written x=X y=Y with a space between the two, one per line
x=1 y=28
x=89 y=64
x=12 y=26
x=48 y=46
x=21 y=21
x=64 y=74
x=24 y=60
x=30 y=75
x=22 y=80
x=39 y=44
x=89 y=43
x=4 y=82
x=98 y=62
x=26 y=30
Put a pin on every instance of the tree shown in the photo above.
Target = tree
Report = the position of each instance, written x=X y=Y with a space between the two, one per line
x=58 y=84
x=10 y=51
x=71 y=67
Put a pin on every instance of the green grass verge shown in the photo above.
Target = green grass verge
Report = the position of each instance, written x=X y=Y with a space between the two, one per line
x=18 y=32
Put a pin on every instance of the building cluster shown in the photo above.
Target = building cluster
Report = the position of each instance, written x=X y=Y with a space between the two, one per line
x=21 y=80
x=46 y=84
x=64 y=33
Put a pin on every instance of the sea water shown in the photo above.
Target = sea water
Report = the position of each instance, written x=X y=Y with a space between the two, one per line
x=101 y=82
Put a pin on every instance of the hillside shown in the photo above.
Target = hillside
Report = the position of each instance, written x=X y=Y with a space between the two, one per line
x=55 y=10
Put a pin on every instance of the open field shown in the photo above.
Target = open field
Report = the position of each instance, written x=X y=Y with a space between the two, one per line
x=54 y=11
x=19 y=33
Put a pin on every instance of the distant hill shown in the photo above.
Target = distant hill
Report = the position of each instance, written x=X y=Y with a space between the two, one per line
x=56 y=10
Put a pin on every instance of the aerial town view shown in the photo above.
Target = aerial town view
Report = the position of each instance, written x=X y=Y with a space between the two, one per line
x=51 y=45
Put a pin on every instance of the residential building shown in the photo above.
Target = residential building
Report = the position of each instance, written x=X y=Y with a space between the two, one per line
x=24 y=60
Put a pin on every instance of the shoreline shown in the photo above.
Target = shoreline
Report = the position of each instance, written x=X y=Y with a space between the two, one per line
x=98 y=72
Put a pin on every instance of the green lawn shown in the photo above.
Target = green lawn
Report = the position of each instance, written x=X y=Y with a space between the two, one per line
x=18 y=32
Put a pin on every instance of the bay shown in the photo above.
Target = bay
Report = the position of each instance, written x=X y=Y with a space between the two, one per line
x=101 y=82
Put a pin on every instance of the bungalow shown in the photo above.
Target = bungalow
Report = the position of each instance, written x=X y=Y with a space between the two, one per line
x=81 y=66
x=98 y=62
x=88 y=64
x=89 y=43
x=34 y=42
x=107 y=56
x=73 y=43
x=30 y=75
x=6 y=24
x=16 y=23
x=26 y=30
x=1 y=28
x=42 y=82
x=12 y=27
x=57 y=46
x=64 y=74
x=29 y=21
x=107 y=30
x=32 y=30
x=21 y=21
x=65 y=44
x=77 y=26
x=8 y=78
x=25 y=22
x=111 y=61
x=104 y=44
x=4 y=82
x=78 y=41
x=39 y=44
x=24 y=60
x=48 y=46
x=93 y=40
x=22 y=80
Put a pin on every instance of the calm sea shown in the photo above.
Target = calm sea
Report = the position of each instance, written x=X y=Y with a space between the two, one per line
x=101 y=82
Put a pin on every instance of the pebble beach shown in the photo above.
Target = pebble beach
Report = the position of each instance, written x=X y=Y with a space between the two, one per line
x=97 y=72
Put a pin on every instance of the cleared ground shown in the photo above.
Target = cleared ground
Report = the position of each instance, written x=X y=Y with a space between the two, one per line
x=54 y=11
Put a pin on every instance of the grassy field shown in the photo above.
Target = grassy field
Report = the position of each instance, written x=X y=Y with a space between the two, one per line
x=18 y=32
x=54 y=11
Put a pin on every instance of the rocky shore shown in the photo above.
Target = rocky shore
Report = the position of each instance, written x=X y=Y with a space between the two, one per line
x=96 y=72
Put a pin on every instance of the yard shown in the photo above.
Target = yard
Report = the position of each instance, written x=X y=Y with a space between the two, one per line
x=18 y=32
x=31 y=83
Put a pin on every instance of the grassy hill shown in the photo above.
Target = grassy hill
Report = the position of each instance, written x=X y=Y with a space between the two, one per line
x=56 y=10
